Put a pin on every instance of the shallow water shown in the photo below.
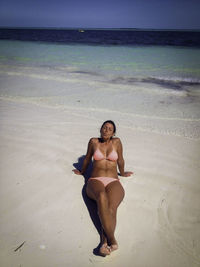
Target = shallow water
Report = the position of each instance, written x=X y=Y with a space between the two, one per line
x=160 y=62
x=156 y=88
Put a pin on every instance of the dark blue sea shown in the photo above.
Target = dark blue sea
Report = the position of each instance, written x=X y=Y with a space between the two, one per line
x=104 y=36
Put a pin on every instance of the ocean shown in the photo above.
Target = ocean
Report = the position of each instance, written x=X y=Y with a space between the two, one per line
x=104 y=36
x=148 y=74
x=126 y=54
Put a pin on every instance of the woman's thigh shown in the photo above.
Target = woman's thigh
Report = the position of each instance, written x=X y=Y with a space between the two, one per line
x=94 y=188
x=115 y=193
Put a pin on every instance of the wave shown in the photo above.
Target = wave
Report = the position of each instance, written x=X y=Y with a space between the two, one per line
x=86 y=72
x=176 y=83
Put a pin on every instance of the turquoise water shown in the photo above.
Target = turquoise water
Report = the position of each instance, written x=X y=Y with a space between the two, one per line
x=151 y=88
x=162 y=62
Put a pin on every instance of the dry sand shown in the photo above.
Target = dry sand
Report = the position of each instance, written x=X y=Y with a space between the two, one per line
x=43 y=209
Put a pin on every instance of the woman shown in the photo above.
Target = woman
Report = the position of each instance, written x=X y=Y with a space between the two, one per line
x=104 y=186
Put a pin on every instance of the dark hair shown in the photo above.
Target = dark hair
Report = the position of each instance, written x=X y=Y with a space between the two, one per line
x=111 y=122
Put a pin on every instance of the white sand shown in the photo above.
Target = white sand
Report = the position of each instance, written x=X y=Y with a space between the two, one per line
x=41 y=200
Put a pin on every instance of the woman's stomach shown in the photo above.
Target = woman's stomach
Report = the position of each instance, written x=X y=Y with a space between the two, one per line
x=104 y=168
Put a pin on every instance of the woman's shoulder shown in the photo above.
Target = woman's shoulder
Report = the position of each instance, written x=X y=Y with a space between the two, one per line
x=93 y=140
x=116 y=140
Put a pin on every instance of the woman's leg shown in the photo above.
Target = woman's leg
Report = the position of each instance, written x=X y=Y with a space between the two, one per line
x=108 y=199
x=115 y=194
x=95 y=189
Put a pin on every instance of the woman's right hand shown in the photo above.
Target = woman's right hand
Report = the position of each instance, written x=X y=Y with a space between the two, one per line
x=77 y=172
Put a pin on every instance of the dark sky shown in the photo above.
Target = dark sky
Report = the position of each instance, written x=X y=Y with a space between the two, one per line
x=157 y=14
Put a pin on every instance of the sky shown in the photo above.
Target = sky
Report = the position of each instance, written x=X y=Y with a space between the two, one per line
x=146 y=14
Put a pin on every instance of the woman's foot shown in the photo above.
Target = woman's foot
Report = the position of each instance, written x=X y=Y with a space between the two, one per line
x=113 y=244
x=114 y=247
x=104 y=250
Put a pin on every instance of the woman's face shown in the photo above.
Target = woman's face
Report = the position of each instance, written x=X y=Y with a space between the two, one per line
x=107 y=131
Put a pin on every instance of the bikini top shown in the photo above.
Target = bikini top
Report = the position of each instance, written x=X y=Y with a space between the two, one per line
x=98 y=155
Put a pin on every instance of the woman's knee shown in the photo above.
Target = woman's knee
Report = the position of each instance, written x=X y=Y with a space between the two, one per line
x=112 y=210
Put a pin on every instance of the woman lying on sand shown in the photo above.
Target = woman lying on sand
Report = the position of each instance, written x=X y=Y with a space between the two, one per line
x=104 y=186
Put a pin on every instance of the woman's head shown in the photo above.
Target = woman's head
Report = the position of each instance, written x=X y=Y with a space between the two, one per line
x=108 y=129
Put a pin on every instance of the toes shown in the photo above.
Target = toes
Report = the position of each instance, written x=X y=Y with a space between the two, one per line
x=105 y=250
x=114 y=247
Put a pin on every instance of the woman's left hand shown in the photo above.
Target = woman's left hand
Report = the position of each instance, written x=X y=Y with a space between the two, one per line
x=77 y=172
x=126 y=174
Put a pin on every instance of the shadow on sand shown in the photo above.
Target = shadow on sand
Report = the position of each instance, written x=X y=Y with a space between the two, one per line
x=90 y=204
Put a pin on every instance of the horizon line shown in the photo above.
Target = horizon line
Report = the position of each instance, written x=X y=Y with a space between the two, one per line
x=98 y=28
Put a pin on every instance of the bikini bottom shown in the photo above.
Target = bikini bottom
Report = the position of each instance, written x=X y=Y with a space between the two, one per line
x=105 y=180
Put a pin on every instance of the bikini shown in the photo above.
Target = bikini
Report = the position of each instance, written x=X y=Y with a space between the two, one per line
x=98 y=155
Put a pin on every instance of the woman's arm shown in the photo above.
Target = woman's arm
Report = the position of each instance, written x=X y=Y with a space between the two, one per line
x=120 y=161
x=87 y=159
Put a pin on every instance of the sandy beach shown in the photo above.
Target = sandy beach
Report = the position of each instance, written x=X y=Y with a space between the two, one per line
x=46 y=219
